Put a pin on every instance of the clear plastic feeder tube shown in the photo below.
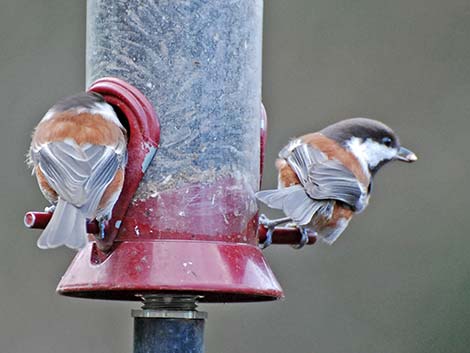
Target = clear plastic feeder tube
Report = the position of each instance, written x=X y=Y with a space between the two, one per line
x=199 y=63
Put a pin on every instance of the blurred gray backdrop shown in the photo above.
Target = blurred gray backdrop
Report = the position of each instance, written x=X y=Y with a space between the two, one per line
x=397 y=281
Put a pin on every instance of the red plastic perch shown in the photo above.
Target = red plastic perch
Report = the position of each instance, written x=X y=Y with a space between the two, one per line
x=39 y=220
x=281 y=235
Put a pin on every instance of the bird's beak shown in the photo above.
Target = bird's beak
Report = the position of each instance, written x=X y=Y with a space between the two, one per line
x=405 y=155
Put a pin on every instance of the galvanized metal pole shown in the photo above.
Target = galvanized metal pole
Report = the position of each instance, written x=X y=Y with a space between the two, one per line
x=169 y=324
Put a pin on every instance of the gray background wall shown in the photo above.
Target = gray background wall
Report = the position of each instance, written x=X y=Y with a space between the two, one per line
x=399 y=278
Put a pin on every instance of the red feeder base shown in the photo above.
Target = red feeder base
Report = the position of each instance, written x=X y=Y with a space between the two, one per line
x=134 y=268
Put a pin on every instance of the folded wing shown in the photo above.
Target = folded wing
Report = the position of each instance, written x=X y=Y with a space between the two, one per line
x=322 y=180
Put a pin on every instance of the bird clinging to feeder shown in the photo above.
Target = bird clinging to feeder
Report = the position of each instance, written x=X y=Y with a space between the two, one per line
x=78 y=154
x=326 y=177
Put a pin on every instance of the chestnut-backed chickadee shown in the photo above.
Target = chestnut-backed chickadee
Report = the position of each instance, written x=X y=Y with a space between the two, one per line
x=326 y=177
x=78 y=153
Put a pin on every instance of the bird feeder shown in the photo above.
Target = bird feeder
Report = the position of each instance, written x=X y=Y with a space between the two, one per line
x=185 y=226
x=197 y=237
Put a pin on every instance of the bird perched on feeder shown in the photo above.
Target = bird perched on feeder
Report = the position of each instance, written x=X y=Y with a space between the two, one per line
x=78 y=154
x=326 y=177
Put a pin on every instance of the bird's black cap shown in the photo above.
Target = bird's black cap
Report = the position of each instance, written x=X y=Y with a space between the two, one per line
x=87 y=100
x=362 y=128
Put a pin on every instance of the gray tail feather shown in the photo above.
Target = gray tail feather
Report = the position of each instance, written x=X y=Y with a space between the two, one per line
x=293 y=200
x=275 y=198
x=66 y=227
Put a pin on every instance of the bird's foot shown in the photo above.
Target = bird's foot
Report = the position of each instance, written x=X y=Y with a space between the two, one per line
x=269 y=239
x=102 y=223
x=304 y=239
x=291 y=225
x=50 y=209
x=270 y=224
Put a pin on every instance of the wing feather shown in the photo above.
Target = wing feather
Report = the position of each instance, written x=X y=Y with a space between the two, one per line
x=78 y=174
x=333 y=181
x=102 y=175
x=324 y=179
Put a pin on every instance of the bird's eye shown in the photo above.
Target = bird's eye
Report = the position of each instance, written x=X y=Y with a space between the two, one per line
x=387 y=141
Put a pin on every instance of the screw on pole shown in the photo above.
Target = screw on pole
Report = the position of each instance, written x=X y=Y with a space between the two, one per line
x=168 y=323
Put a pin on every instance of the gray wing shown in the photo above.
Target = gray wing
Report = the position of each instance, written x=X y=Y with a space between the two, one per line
x=324 y=179
x=332 y=180
x=79 y=175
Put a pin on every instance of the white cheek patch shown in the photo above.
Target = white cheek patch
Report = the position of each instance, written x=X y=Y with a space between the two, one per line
x=369 y=152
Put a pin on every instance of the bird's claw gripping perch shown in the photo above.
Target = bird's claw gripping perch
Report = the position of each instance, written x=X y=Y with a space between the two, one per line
x=269 y=239
x=265 y=221
x=270 y=224
x=303 y=240
x=102 y=226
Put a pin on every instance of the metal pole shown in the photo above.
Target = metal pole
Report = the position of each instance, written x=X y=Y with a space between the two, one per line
x=168 y=323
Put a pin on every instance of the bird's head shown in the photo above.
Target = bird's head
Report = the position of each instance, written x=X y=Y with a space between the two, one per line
x=372 y=142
